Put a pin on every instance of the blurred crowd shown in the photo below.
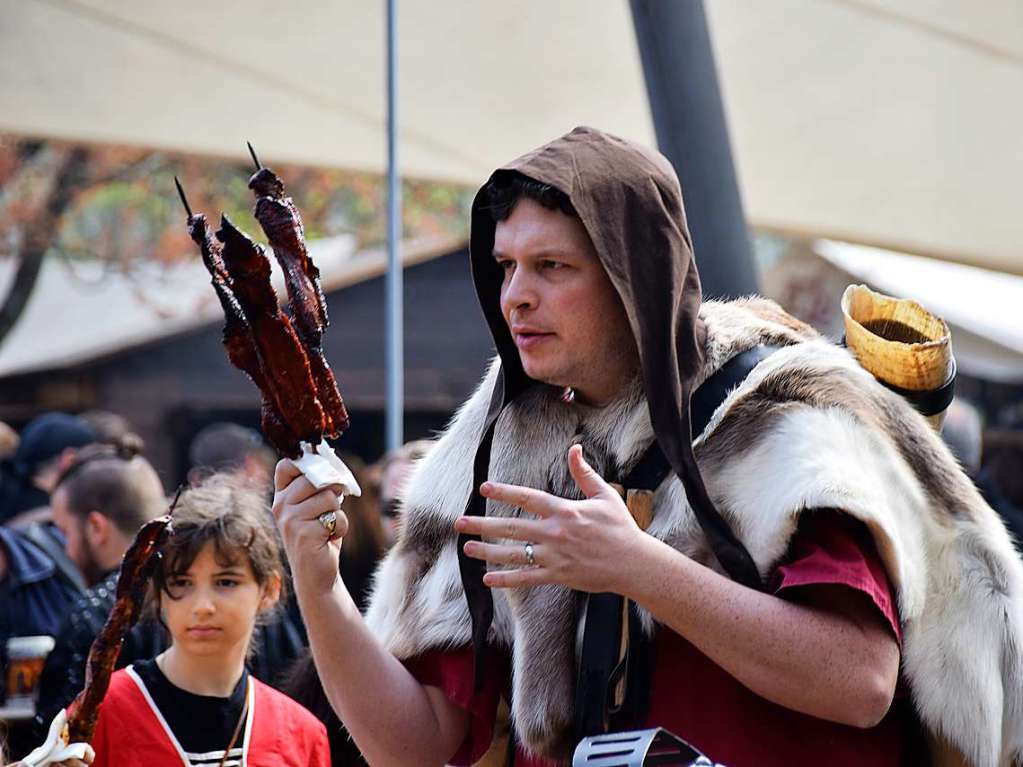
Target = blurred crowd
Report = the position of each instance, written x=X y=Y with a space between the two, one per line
x=74 y=490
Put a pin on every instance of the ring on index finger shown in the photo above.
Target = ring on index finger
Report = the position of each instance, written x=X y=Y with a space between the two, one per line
x=329 y=521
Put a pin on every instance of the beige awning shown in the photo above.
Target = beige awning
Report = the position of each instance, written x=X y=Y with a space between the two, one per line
x=894 y=124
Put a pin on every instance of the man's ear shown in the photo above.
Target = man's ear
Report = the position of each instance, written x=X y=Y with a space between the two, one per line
x=67 y=457
x=271 y=592
x=97 y=528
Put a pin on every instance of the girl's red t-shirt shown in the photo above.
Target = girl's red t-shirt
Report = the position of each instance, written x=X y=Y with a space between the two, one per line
x=700 y=702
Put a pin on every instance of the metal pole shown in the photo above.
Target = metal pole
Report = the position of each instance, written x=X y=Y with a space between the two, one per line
x=689 y=119
x=395 y=368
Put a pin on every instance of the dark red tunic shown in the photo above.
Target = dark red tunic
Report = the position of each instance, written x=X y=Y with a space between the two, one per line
x=696 y=699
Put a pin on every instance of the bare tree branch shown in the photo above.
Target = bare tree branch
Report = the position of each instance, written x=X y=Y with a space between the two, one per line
x=39 y=233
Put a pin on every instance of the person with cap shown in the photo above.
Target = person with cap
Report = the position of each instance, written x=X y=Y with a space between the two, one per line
x=28 y=476
x=765 y=581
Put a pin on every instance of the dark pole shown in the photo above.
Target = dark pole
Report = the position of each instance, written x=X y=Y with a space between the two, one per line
x=689 y=119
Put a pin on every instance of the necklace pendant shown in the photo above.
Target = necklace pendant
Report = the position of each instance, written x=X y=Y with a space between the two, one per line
x=568 y=395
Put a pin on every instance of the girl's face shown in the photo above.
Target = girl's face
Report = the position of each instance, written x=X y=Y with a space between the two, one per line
x=211 y=609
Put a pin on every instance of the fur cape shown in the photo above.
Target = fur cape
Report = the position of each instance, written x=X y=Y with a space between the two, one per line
x=808 y=429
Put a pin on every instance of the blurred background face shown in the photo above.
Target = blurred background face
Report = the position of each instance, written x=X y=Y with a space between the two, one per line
x=392 y=487
x=77 y=544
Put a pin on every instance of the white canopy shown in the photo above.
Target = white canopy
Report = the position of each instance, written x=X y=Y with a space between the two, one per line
x=894 y=124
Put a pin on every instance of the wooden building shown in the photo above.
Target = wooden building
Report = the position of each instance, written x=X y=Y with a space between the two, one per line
x=172 y=385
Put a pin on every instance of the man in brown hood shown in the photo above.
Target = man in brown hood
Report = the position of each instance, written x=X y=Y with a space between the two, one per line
x=775 y=571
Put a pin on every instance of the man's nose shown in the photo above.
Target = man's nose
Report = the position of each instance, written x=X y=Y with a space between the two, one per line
x=519 y=291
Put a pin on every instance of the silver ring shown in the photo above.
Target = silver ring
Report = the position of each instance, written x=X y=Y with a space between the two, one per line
x=530 y=561
x=329 y=521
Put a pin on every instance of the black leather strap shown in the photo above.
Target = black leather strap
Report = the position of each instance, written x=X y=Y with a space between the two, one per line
x=602 y=629
x=712 y=392
x=932 y=401
x=481 y=601
x=599 y=668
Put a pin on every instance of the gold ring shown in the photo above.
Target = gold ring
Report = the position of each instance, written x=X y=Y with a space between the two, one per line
x=530 y=561
x=329 y=521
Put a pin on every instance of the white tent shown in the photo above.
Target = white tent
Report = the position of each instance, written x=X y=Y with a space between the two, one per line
x=893 y=124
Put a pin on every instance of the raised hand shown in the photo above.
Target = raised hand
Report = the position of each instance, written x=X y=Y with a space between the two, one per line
x=299 y=508
x=581 y=544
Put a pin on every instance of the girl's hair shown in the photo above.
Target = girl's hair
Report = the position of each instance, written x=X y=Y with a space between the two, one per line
x=232 y=515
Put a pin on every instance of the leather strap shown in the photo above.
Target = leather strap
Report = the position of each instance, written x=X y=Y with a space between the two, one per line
x=600 y=703
x=712 y=392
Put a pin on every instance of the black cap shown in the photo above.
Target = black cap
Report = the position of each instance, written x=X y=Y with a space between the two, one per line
x=46 y=437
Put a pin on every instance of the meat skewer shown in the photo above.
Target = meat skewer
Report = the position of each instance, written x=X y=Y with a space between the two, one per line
x=237 y=338
x=301 y=403
x=139 y=562
x=282 y=224
x=289 y=374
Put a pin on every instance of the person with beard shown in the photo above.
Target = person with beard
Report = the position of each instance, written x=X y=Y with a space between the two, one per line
x=777 y=572
x=99 y=504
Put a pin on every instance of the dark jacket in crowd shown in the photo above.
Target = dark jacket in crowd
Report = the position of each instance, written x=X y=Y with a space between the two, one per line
x=277 y=645
x=34 y=599
x=34 y=595
x=17 y=494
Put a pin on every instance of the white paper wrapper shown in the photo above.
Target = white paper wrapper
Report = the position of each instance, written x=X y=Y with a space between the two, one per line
x=54 y=750
x=323 y=468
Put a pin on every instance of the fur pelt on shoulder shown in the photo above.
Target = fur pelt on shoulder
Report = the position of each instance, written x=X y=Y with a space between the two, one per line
x=808 y=429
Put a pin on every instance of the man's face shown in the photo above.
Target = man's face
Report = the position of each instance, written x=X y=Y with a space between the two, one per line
x=564 y=314
x=76 y=542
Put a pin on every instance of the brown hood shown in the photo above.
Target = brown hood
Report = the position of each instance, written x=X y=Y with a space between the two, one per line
x=629 y=200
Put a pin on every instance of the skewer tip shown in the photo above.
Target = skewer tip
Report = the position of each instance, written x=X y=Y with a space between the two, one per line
x=255 y=159
x=184 y=200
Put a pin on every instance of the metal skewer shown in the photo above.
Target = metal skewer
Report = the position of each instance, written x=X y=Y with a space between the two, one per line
x=259 y=165
x=184 y=200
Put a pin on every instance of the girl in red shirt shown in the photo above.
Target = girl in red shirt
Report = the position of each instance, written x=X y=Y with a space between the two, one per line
x=195 y=704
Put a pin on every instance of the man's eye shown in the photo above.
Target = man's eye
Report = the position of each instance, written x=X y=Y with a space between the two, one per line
x=228 y=583
x=548 y=264
x=505 y=266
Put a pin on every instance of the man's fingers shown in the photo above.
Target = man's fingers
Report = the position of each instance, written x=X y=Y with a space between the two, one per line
x=501 y=527
x=284 y=473
x=307 y=512
x=499 y=554
x=506 y=579
x=585 y=477
x=298 y=490
x=534 y=501
x=317 y=504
